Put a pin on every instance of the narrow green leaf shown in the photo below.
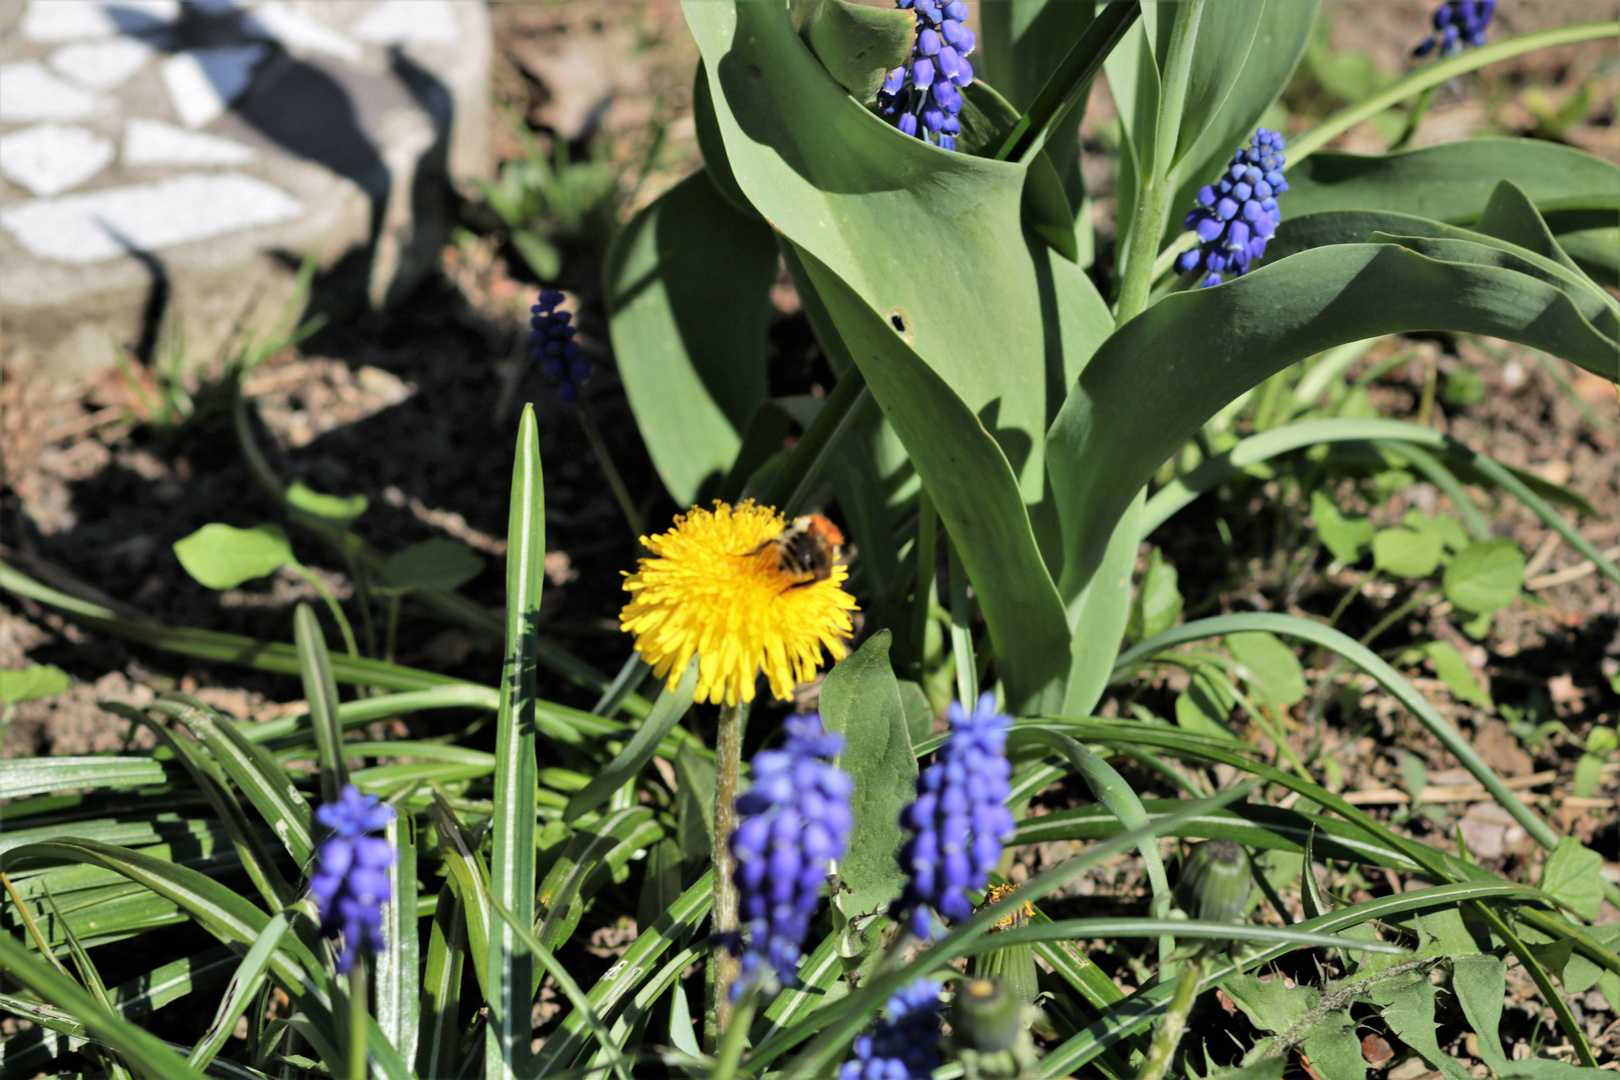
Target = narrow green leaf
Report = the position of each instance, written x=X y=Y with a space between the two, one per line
x=510 y=972
x=32 y=776
x=1455 y=673
x=149 y=1055
x=1480 y=983
x=469 y=877
x=315 y=667
x=339 y=510
x=223 y=557
x=668 y=709
x=592 y=854
x=245 y=984
x=398 y=993
x=441 y=989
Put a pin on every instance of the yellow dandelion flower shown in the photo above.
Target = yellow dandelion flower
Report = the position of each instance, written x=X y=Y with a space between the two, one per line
x=714 y=588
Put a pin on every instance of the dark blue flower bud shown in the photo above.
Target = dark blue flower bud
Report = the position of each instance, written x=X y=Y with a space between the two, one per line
x=1458 y=24
x=551 y=341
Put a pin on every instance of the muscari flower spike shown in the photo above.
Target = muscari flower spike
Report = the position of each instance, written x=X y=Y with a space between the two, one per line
x=793 y=821
x=959 y=819
x=903 y=1045
x=350 y=884
x=924 y=95
x=551 y=341
x=1458 y=25
x=1237 y=214
x=713 y=588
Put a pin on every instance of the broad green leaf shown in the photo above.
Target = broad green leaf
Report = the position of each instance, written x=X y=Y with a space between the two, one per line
x=1158 y=601
x=1572 y=874
x=511 y=971
x=1454 y=671
x=1284 y=29
x=1225 y=32
x=1347 y=536
x=861 y=699
x=223 y=557
x=1405 y=553
x=1452 y=182
x=33 y=681
x=857 y=44
x=1407 y=1003
x=1447 y=528
x=1144 y=393
x=1271 y=1005
x=1485 y=576
x=1480 y=983
x=1022 y=42
x=432 y=564
x=688 y=295
x=339 y=510
x=1271 y=669
x=1334 y=1048
x=976 y=494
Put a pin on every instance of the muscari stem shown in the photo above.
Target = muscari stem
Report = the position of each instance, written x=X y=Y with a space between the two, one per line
x=1158 y=189
x=727 y=768
x=736 y=1034
x=593 y=435
x=359 y=1020
x=1168 y=1035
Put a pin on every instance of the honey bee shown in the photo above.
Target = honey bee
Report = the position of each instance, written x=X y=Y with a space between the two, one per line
x=806 y=550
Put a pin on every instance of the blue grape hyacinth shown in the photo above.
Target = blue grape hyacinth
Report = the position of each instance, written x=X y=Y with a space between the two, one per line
x=551 y=341
x=1237 y=214
x=959 y=820
x=903 y=1045
x=924 y=95
x=793 y=821
x=1458 y=25
x=350 y=883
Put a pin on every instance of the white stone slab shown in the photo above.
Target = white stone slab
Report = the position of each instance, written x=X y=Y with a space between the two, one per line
x=52 y=158
x=67 y=20
x=152 y=142
x=102 y=65
x=274 y=19
x=28 y=92
x=202 y=83
x=404 y=21
x=100 y=225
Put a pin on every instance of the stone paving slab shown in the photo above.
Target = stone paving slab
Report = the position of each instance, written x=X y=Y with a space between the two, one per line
x=195 y=152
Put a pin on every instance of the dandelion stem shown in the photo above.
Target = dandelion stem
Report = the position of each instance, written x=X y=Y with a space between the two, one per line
x=1174 y=1022
x=727 y=767
x=359 y=1019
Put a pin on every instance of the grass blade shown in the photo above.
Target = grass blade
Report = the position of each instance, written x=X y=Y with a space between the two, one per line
x=441 y=989
x=512 y=867
x=250 y=975
x=315 y=666
x=668 y=709
x=398 y=988
x=147 y=1054
x=1372 y=664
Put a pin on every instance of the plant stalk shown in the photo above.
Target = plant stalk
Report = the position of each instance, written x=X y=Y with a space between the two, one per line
x=727 y=769
x=359 y=1018
x=736 y=1034
x=1174 y=1022
x=1153 y=201
x=615 y=481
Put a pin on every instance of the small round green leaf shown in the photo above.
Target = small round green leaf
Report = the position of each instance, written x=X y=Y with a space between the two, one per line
x=1405 y=553
x=1271 y=668
x=222 y=557
x=1485 y=576
x=432 y=564
x=33 y=681
x=337 y=509
x=1347 y=536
